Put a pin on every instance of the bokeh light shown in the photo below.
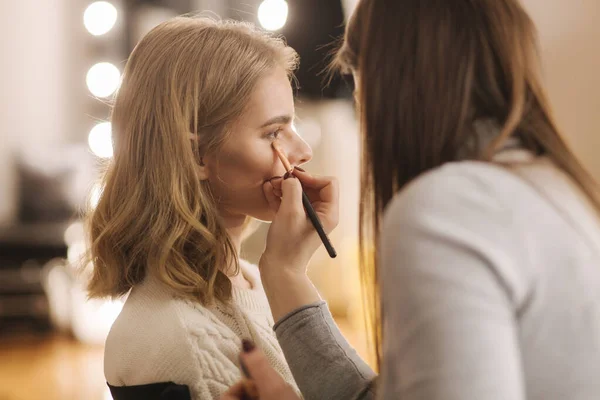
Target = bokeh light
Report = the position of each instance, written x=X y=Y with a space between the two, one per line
x=74 y=233
x=103 y=79
x=100 y=140
x=95 y=195
x=100 y=17
x=272 y=14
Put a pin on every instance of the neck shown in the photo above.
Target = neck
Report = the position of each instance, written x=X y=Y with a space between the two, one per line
x=486 y=130
x=235 y=234
x=234 y=224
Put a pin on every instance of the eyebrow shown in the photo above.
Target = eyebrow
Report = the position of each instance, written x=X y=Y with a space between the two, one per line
x=280 y=119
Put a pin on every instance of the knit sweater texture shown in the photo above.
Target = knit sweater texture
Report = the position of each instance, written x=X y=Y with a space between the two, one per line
x=161 y=337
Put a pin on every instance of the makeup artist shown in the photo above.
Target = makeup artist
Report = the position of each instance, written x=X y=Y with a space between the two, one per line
x=487 y=270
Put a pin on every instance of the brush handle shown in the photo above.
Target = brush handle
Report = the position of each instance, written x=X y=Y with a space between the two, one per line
x=314 y=218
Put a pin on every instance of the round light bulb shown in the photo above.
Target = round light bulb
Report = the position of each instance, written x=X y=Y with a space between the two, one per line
x=99 y=17
x=100 y=140
x=76 y=253
x=103 y=79
x=272 y=14
x=74 y=233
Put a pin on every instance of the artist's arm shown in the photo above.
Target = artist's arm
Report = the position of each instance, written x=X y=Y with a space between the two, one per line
x=324 y=365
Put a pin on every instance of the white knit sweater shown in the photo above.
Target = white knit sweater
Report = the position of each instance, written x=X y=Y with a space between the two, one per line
x=159 y=338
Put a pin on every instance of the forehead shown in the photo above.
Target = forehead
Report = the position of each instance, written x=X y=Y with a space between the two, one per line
x=272 y=96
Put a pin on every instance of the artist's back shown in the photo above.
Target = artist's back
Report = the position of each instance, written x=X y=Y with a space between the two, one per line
x=491 y=286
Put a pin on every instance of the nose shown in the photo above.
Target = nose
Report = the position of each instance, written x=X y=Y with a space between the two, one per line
x=298 y=151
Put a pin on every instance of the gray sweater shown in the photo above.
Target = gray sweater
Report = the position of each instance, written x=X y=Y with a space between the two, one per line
x=491 y=291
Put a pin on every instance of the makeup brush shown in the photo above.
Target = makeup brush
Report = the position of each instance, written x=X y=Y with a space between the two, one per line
x=310 y=211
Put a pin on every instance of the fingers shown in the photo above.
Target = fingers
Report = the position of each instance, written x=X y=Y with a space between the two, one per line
x=269 y=383
x=236 y=392
x=266 y=383
x=291 y=200
x=323 y=193
x=271 y=196
x=327 y=187
x=330 y=193
x=312 y=181
x=276 y=182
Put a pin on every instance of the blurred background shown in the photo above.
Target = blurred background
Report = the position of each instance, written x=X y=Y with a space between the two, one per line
x=61 y=63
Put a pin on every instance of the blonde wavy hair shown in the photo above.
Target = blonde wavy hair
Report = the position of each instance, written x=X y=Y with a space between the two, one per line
x=188 y=75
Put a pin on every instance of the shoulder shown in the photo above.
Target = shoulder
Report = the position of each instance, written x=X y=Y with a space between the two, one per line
x=148 y=332
x=458 y=192
x=160 y=338
x=459 y=221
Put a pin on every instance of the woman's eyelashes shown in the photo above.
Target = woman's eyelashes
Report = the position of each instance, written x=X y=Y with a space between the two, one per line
x=274 y=134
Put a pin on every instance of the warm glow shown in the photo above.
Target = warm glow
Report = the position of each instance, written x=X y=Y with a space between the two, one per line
x=310 y=130
x=100 y=140
x=103 y=79
x=76 y=252
x=74 y=233
x=272 y=14
x=92 y=319
x=100 y=17
x=95 y=195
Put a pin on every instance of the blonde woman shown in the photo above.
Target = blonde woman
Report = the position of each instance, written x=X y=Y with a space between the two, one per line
x=199 y=106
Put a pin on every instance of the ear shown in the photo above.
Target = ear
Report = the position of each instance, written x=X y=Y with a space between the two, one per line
x=202 y=170
x=201 y=167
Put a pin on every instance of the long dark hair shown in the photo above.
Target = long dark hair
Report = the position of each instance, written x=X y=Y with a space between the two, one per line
x=426 y=70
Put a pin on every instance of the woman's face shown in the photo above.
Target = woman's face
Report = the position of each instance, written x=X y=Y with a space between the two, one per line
x=246 y=160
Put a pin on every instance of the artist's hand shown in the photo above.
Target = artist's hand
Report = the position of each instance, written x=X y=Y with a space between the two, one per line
x=269 y=383
x=292 y=239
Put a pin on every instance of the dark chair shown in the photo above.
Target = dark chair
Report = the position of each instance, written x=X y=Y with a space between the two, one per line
x=151 y=391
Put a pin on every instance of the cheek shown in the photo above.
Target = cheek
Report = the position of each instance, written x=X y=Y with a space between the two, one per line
x=248 y=169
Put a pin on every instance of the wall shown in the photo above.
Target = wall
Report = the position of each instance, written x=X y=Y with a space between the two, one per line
x=570 y=42
x=38 y=45
x=570 y=47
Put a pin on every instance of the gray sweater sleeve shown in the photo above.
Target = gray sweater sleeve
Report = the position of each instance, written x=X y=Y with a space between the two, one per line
x=324 y=365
